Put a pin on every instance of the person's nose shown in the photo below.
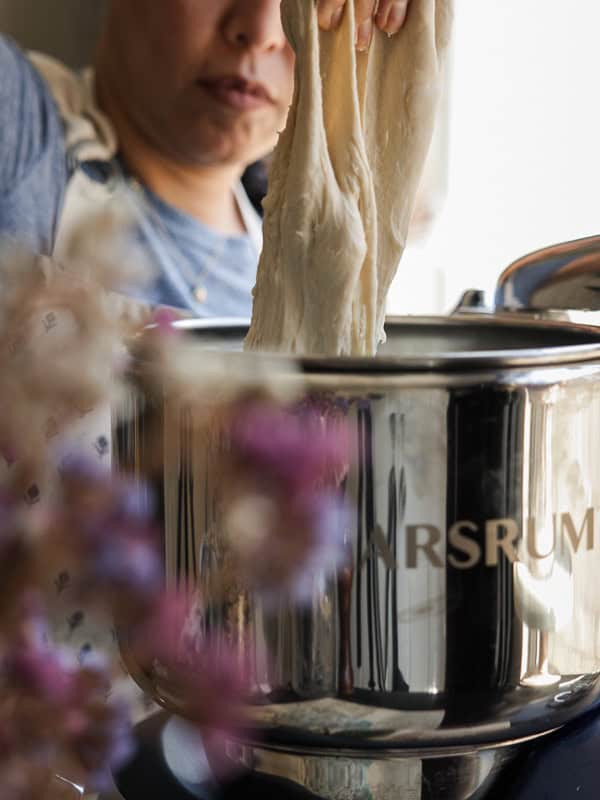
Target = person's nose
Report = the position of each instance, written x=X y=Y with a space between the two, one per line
x=255 y=25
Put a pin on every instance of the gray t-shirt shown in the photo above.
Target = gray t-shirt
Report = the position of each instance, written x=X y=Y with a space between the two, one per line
x=192 y=260
x=33 y=164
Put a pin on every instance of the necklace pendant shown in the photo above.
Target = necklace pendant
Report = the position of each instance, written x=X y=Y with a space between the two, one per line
x=201 y=294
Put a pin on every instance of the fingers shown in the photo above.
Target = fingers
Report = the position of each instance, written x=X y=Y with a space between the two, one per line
x=388 y=15
x=391 y=15
x=330 y=13
x=364 y=11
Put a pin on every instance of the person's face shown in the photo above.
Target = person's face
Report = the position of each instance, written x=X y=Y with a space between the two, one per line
x=208 y=81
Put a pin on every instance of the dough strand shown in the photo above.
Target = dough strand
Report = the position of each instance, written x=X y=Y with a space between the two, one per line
x=344 y=179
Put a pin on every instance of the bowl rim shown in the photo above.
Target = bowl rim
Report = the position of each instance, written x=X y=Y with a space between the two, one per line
x=586 y=350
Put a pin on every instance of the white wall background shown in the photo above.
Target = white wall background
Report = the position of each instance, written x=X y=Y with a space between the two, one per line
x=524 y=163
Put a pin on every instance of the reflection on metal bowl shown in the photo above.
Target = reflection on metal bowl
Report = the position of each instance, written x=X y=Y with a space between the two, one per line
x=470 y=617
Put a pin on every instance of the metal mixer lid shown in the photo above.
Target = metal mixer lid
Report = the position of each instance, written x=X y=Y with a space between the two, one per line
x=418 y=344
x=564 y=276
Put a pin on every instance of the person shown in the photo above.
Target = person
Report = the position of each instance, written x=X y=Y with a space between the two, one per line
x=185 y=99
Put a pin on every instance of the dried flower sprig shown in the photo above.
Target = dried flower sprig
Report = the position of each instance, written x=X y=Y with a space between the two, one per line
x=62 y=354
x=285 y=519
x=49 y=706
x=59 y=348
x=55 y=710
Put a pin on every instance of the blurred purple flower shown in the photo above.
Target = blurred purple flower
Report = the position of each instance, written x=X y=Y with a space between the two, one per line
x=128 y=563
x=287 y=523
x=207 y=673
x=102 y=740
x=286 y=517
x=135 y=499
x=292 y=450
x=106 y=522
x=283 y=547
x=40 y=671
x=128 y=497
x=329 y=522
x=164 y=318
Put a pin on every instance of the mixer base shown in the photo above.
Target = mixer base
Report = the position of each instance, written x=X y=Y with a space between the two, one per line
x=414 y=775
x=560 y=766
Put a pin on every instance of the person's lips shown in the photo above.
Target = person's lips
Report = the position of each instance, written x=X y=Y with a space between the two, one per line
x=237 y=92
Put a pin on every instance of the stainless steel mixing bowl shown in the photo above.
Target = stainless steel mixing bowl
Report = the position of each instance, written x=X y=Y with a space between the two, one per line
x=469 y=619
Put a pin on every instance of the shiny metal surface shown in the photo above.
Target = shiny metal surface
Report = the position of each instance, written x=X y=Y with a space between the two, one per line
x=66 y=789
x=461 y=775
x=473 y=301
x=470 y=614
x=565 y=277
x=437 y=344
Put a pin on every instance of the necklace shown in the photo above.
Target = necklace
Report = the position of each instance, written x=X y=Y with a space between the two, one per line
x=190 y=284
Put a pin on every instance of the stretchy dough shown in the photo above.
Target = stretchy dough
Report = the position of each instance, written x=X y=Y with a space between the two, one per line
x=344 y=179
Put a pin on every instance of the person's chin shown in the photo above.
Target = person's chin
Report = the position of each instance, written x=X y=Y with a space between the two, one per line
x=235 y=148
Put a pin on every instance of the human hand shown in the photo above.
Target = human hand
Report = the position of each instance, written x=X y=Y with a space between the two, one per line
x=388 y=15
